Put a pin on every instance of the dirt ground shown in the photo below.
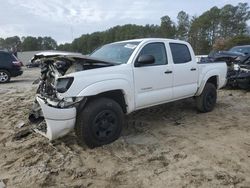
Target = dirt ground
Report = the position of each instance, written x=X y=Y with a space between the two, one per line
x=166 y=146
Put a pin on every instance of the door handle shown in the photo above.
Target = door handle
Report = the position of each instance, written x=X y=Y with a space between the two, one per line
x=193 y=69
x=168 y=72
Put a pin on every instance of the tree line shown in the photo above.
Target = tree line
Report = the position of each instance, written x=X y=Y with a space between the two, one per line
x=217 y=28
x=28 y=43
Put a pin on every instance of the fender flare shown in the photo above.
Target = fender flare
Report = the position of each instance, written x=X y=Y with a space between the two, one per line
x=205 y=78
x=111 y=85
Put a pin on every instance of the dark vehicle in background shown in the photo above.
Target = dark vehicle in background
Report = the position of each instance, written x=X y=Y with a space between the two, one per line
x=10 y=66
x=238 y=63
x=239 y=72
x=241 y=49
x=34 y=64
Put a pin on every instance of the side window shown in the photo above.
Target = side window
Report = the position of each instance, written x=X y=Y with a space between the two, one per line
x=180 y=53
x=1 y=58
x=5 y=58
x=157 y=50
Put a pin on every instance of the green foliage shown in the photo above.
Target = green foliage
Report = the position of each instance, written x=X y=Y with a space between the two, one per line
x=167 y=28
x=238 y=40
x=30 y=43
x=88 y=42
x=218 y=24
x=233 y=20
x=202 y=32
x=47 y=43
x=41 y=43
x=65 y=47
x=183 y=26
x=10 y=43
x=222 y=44
x=1 y=43
x=27 y=43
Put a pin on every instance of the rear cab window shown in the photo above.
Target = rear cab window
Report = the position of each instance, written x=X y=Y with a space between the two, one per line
x=180 y=53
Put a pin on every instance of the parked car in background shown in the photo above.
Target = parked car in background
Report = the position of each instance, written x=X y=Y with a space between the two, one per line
x=10 y=66
x=33 y=64
x=245 y=49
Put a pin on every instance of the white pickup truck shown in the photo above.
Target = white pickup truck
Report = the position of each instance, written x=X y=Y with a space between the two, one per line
x=92 y=94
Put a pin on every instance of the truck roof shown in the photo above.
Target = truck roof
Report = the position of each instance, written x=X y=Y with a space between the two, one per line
x=152 y=39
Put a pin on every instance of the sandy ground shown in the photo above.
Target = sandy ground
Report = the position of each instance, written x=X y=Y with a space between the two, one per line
x=166 y=146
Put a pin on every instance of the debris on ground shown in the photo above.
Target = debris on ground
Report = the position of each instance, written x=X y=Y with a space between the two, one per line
x=2 y=184
x=22 y=134
x=20 y=124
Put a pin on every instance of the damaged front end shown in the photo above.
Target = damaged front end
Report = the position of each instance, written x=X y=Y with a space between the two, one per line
x=239 y=77
x=58 y=121
x=54 y=116
x=238 y=74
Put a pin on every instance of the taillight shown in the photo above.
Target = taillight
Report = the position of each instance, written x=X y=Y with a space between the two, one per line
x=17 y=63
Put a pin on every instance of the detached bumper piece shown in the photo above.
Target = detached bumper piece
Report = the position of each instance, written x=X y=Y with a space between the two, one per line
x=59 y=121
x=240 y=79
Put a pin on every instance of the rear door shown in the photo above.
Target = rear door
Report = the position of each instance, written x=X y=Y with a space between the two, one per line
x=185 y=71
x=153 y=83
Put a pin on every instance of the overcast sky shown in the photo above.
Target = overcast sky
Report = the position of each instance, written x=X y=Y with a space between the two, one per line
x=67 y=19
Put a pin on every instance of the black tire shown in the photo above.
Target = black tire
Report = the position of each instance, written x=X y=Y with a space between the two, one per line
x=99 y=123
x=245 y=86
x=4 y=76
x=207 y=100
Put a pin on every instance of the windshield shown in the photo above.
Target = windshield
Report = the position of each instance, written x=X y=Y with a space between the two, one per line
x=117 y=52
x=238 y=49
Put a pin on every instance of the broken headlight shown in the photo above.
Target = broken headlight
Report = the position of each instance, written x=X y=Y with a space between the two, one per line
x=63 y=84
x=236 y=67
x=69 y=101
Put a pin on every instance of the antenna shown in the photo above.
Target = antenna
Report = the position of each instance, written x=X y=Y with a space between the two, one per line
x=71 y=31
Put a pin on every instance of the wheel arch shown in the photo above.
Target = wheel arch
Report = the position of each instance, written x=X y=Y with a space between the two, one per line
x=210 y=77
x=119 y=90
x=116 y=95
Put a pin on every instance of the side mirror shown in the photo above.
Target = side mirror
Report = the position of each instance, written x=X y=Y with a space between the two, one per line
x=145 y=60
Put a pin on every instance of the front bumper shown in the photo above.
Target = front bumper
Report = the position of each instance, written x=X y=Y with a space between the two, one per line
x=59 y=121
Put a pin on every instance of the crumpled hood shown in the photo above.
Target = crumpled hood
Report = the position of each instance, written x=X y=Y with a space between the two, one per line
x=67 y=56
x=83 y=79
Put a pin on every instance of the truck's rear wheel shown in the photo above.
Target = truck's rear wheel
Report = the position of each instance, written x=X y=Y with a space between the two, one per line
x=100 y=122
x=207 y=100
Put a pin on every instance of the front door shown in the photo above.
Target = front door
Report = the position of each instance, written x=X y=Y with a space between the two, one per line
x=153 y=83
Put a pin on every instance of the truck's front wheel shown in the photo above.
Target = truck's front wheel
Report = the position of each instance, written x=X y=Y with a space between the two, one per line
x=100 y=122
x=207 y=100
